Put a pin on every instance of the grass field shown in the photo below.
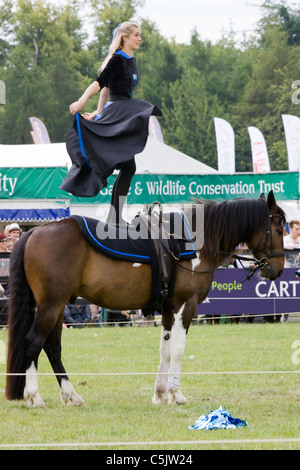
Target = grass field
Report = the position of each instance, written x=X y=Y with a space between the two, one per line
x=119 y=410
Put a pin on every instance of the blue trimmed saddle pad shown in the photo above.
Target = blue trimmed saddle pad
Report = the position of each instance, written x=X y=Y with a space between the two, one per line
x=133 y=242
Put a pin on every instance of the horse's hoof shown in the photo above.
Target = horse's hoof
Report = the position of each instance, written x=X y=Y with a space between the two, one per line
x=175 y=396
x=34 y=401
x=68 y=395
x=159 y=398
x=72 y=400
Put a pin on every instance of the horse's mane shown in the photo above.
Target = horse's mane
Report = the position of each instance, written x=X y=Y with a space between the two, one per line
x=229 y=223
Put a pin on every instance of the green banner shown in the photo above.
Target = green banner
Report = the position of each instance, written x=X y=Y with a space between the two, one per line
x=170 y=189
x=32 y=183
x=43 y=183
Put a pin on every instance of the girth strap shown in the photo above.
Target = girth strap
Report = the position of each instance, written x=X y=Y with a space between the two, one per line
x=154 y=223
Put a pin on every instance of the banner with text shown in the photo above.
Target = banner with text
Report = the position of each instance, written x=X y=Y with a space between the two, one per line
x=180 y=189
x=230 y=295
x=32 y=183
x=260 y=157
x=225 y=146
x=43 y=183
x=292 y=134
x=39 y=131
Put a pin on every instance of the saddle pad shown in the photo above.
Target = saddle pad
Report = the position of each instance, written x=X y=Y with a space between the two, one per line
x=132 y=242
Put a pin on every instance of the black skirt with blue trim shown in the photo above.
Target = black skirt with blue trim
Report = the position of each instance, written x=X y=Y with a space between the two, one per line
x=99 y=147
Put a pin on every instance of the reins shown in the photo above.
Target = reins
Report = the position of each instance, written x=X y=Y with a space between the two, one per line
x=259 y=263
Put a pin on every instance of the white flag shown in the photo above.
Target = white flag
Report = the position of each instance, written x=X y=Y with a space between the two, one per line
x=292 y=135
x=154 y=129
x=260 y=157
x=225 y=146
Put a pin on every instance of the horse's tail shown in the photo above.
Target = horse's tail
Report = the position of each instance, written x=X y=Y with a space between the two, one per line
x=20 y=319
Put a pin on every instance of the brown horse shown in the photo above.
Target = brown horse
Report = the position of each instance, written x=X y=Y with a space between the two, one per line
x=46 y=275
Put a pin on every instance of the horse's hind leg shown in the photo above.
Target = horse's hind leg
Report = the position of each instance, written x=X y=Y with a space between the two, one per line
x=44 y=322
x=52 y=348
x=34 y=342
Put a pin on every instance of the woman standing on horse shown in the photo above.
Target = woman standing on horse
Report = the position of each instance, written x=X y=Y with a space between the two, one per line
x=109 y=138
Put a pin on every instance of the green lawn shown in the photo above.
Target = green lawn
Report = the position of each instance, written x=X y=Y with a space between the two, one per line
x=119 y=409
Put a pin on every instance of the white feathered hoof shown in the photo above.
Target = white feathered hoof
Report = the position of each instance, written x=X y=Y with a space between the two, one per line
x=68 y=395
x=160 y=398
x=33 y=400
x=175 y=396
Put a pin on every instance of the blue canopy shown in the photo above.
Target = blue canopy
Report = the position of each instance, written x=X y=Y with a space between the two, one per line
x=33 y=215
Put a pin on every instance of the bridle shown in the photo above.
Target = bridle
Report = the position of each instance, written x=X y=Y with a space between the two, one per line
x=263 y=262
x=259 y=263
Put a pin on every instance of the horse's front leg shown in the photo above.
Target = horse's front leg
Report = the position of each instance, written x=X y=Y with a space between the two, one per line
x=177 y=346
x=172 y=345
x=161 y=384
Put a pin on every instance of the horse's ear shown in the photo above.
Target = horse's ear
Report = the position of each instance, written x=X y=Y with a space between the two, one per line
x=262 y=196
x=271 y=201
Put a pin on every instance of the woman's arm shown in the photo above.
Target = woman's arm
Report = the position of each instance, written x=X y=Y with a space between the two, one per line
x=104 y=95
x=90 y=91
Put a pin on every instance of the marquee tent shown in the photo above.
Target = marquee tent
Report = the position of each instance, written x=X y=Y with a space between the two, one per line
x=157 y=158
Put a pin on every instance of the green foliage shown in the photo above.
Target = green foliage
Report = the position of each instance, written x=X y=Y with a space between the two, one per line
x=50 y=54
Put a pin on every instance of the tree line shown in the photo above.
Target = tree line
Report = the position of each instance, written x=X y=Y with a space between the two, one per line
x=50 y=53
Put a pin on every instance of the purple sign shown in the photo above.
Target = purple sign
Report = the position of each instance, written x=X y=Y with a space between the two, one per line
x=230 y=294
x=39 y=132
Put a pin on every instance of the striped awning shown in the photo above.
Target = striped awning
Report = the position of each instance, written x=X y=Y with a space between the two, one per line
x=34 y=215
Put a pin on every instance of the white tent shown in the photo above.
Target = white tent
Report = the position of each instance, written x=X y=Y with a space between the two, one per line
x=34 y=155
x=157 y=158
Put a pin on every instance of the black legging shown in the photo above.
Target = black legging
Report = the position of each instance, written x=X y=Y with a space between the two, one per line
x=120 y=191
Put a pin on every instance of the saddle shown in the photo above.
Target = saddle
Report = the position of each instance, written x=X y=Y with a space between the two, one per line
x=152 y=237
x=153 y=221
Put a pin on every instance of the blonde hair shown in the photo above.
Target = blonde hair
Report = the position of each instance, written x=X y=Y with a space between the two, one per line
x=124 y=29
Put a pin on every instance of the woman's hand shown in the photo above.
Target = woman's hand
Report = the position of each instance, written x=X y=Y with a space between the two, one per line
x=76 y=107
x=90 y=91
x=90 y=116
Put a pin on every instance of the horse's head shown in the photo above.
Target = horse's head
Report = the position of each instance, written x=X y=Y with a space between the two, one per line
x=267 y=245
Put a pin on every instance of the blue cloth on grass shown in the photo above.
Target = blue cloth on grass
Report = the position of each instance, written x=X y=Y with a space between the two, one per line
x=218 y=419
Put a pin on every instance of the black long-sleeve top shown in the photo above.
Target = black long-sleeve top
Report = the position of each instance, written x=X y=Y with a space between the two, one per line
x=119 y=75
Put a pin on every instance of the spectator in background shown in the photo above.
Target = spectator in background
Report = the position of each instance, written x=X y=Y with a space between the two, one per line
x=75 y=315
x=2 y=243
x=8 y=244
x=15 y=232
x=6 y=231
x=118 y=317
x=4 y=272
x=292 y=242
x=4 y=265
